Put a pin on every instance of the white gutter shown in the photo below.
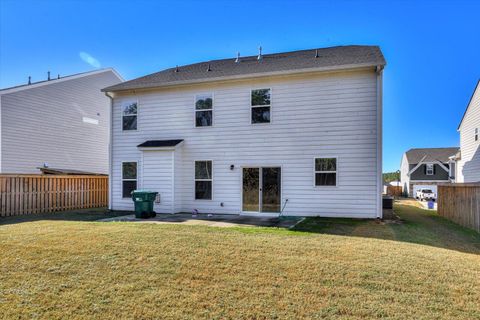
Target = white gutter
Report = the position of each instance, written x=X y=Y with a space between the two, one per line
x=110 y=153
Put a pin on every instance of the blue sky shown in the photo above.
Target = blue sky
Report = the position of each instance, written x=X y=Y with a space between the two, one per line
x=432 y=48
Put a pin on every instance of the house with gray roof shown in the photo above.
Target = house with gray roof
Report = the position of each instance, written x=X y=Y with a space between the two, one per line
x=294 y=133
x=426 y=168
x=60 y=122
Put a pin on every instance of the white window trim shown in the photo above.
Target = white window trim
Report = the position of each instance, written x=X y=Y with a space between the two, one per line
x=195 y=179
x=122 y=106
x=195 y=110
x=122 y=179
x=267 y=105
x=315 y=172
x=426 y=170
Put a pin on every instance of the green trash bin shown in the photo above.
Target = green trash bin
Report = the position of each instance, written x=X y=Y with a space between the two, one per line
x=143 y=201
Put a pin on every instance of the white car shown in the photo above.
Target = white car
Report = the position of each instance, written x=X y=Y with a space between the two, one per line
x=425 y=194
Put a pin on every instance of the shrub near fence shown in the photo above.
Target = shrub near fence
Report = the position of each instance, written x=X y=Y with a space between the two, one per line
x=26 y=194
x=460 y=202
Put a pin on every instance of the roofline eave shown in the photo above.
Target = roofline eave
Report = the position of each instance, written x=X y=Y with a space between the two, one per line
x=253 y=75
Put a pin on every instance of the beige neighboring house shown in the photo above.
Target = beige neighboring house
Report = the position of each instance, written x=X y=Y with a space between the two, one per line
x=468 y=159
x=62 y=123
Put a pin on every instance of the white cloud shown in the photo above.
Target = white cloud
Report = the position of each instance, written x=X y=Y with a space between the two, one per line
x=89 y=59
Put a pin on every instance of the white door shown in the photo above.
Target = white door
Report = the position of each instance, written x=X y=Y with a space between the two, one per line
x=157 y=175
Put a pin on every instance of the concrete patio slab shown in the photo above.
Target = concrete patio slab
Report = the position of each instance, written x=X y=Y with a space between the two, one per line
x=217 y=220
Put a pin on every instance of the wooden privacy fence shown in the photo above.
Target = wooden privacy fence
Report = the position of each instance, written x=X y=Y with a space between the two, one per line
x=460 y=202
x=25 y=194
x=395 y=191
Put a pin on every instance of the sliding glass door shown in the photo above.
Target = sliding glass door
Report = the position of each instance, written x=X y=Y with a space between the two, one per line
x=261 y=189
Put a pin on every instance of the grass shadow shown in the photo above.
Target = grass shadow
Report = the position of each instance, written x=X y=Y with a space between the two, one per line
x=73 y=215
x=417 y=226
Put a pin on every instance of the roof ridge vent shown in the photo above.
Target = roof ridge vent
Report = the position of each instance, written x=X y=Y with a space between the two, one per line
x=48 y=73
x=58 y=76
x=176 y=68
x=316 y=53
x=209 y=69
x=260 y=57
x=29 y=80
x=238 y=57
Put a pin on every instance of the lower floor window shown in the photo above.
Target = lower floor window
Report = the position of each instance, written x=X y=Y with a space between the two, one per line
x=325 y=171
x=129 y=178
x=203 y=180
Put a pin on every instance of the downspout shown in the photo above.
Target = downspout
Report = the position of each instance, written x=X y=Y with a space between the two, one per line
x=379 y=71
x=110 y=152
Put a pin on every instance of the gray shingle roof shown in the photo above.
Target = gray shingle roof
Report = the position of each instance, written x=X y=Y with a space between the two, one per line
x=304 y=60
x=414 y=156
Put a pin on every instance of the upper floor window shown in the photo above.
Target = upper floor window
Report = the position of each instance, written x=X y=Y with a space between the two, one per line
x=325 y=171
x=204 y=110
x=476 y=134
x=129 y=116
x=129 y=178
x=260 y=106
x=203 y=180
x=429 y=169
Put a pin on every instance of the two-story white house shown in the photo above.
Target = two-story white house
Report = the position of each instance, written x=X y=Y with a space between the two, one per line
x=61 y=122
x=468 y=159
x=297 y=133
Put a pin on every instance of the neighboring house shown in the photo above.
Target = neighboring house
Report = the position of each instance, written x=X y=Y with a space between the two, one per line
x=296 y=132
x=468 y=159
x=425 y=168
x=62 y=122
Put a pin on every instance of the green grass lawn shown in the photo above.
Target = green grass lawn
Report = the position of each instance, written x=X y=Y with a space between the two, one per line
x=423 y=268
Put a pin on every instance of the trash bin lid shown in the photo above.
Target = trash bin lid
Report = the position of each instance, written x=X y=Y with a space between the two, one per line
x=143 y=191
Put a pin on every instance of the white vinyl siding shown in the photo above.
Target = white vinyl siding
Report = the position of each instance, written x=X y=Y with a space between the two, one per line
x=468 y=168
x=46 y=124
x=331 y=114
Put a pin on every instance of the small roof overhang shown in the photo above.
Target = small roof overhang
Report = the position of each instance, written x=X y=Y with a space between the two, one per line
x=160 y=144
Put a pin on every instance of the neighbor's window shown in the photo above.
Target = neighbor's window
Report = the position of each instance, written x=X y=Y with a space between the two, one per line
x=260 y=105
x=476 y=134
x=429 y=170
x=203 y=180
x=204 y=110
x=129 y=178
x=129 y=116
x=325 y=171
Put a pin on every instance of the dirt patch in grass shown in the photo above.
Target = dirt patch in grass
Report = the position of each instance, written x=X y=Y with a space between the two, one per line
x=345 y=270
